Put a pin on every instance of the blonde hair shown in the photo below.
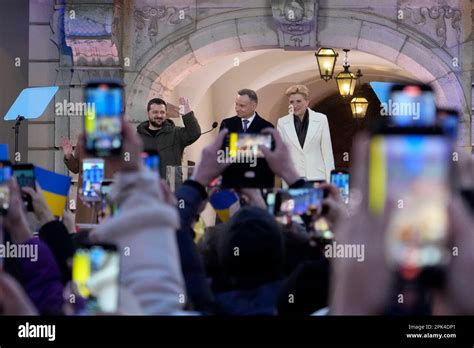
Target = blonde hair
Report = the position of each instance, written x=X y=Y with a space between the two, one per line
x=298 y=89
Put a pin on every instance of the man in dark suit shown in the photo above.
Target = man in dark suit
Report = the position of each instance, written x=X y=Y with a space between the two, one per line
x=247 y=121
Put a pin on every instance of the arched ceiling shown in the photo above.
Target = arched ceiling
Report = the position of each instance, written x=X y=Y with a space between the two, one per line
x=270 y=72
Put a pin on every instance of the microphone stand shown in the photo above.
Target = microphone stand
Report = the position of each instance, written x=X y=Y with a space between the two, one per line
x=214 y=126
x=16 y=127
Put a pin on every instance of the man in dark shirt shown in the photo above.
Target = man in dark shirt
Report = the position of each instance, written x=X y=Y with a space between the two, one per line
x=160 y=133
x=247 y=120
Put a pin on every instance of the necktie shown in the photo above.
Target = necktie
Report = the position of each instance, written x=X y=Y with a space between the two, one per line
x=246 y=122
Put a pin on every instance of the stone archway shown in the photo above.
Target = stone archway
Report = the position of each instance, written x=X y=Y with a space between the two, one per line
x=163 y=68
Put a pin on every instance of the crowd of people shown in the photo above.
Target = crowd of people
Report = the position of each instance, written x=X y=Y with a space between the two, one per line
x=250 y=265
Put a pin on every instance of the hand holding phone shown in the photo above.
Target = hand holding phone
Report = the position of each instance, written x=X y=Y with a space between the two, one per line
x=25 y=176
x=414 y=171
x=41 y=209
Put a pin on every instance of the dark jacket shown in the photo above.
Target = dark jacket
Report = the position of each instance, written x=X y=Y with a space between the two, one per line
x=41 y=279
x=309 y=285
x=61 y=245
x=234 y=124
x=255 y=276
x=256 y=301
x=197 y=286
x=171 y=140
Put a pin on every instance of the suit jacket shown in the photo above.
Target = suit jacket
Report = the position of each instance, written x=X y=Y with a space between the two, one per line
x=234 y=175
x=315 y=160
x=234 y=124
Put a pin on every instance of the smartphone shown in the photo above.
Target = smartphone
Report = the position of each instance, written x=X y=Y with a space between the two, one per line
x=301 y=201
x=95 y=274
x=25 y=176
x=151 y=160
x=248 y=168
x=413 y=170
x=93 y=175
x=245 y=146
x=340 y=179
x=448 y=120
x=410 y=105
x=104 y=117
x=5 y=175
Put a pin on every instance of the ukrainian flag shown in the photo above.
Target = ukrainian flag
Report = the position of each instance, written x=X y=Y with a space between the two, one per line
x=225 y=203
x=55 y=189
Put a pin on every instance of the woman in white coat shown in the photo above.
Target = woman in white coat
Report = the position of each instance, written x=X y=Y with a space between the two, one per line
x=307 y=135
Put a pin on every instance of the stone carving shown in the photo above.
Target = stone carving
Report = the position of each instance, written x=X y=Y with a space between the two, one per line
x=88 y=20
x=440 y=19
x=294 y=10
x=147 y=18
x=296 y=23
x=88 y=31
x=94 y=52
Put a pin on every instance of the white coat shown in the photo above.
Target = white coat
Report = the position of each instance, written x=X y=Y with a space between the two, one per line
x=315 y=160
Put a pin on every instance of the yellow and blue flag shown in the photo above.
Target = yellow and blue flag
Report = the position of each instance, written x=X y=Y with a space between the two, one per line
x=225 y=203
x=55 y=189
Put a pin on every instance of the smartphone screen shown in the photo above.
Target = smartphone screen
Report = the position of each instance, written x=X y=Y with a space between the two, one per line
x=103 y=121
x=25 y=176
x=340 y=179
x=5 y=175
x=411 y=106
x=247 y=144
x=95 y=273
x=413 y=171
x=301 y=201
x=93 y=175
x=151 y=160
